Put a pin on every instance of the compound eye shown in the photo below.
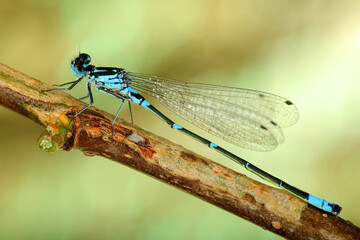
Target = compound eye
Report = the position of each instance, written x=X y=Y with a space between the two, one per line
x=88 y=60
x=85 y=58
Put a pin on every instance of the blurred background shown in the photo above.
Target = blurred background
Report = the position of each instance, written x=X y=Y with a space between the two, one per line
x=307 y=51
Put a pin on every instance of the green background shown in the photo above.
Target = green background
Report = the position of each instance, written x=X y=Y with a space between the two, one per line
x=307 y=51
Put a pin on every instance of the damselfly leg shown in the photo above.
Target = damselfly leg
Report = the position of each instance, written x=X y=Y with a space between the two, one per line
x=73 y=84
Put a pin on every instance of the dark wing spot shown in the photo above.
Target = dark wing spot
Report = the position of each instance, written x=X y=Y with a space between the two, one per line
x=263 y=127
x=261 y=95
x=288 y=102
x=273 y=123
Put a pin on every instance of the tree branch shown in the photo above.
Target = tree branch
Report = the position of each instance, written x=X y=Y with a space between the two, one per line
x=270 y=208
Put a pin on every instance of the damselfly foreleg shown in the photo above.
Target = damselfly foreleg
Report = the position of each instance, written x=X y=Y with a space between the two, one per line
x=73 y=84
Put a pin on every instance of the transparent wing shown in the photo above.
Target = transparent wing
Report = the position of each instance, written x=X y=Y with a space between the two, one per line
x=246 y=118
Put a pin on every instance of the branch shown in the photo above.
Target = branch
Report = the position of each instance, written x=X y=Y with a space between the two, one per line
x=270 y=208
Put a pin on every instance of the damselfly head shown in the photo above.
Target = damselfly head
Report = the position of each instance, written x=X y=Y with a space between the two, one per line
x=80 y=63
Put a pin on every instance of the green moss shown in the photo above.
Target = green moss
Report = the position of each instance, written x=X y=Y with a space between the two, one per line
x=46 y=143
x=50 y=141
x=9 y=78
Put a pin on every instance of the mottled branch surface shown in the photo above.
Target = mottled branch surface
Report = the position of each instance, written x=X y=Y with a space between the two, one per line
x=270 y=208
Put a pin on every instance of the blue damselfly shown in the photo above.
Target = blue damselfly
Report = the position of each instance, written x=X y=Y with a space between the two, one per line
x=246 y=118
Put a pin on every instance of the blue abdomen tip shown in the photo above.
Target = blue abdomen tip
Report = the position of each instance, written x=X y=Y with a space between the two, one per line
x=176 y=126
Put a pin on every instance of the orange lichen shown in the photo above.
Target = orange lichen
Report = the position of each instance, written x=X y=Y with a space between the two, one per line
x=276 y=225
x=53 y=128
x=119 y=137
x=147 y=151
x=225 y=174
x=89 y=153
x=94 y=132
